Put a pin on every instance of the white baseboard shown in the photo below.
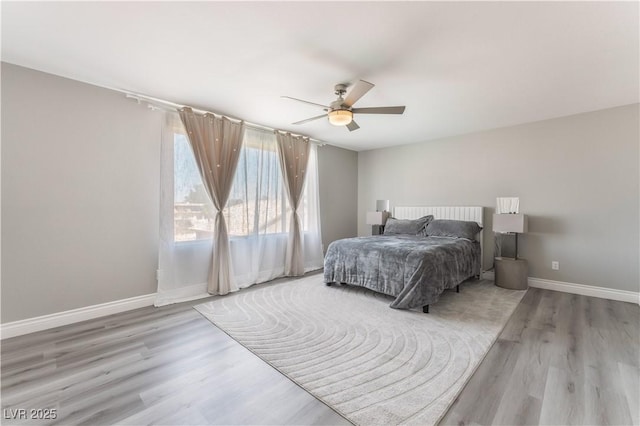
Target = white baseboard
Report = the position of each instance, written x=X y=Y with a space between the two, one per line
x=586 y=290
x=182 y=294
x=582 y=289
x=45 y=322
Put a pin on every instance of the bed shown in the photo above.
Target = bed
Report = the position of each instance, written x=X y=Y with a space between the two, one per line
x=412 y=266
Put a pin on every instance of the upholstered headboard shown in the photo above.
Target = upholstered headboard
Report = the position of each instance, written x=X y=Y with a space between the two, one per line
x=468 y=213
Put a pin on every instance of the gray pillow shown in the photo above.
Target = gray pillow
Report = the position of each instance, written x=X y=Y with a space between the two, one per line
x=406 y=226
x=453 y=228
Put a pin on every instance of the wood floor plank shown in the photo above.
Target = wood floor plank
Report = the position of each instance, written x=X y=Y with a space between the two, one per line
x=518 y=411
x=563 y=400
x=63 y=381
x=630 y=378
x=568 y=354
x=530 y=368
x=606 y=407
x=486 y=386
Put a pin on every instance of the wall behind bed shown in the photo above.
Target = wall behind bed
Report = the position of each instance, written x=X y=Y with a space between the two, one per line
x=577 y=178
x=338 y=186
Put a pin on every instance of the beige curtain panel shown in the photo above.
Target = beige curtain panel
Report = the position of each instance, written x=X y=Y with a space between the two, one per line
x=293 y=152
x=216 y=143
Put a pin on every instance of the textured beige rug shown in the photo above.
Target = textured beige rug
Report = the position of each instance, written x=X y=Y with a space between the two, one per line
x=372 y=364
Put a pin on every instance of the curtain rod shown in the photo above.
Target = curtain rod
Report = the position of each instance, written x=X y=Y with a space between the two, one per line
x=157 y=104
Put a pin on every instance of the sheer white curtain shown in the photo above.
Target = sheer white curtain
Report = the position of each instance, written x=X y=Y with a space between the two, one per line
x=258 y=205
x=309 y=212
x=256 y=215
x=183 y=259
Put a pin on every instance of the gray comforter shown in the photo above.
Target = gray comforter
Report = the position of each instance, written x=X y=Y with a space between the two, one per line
x=413 y=269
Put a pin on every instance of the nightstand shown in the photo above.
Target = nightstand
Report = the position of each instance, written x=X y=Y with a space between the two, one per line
x=511 y=273
x=377 y=229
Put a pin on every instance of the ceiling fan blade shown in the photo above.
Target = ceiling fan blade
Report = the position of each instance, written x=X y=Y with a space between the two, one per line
x=352 y=126
x=306 y=102
x=310 y=119
x=359 y=90
x=379 y=110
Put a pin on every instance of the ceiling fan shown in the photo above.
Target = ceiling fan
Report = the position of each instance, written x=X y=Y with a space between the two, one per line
x=340 y=112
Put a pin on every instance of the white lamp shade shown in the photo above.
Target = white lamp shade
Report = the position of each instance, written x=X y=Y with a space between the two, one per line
x=504 y=223
x=376 y=218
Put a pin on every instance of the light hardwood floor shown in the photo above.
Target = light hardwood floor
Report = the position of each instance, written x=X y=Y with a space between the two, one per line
x=561 y=359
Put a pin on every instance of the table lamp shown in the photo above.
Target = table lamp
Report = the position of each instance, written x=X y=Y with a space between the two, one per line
x=378 y=218
x=510 y=223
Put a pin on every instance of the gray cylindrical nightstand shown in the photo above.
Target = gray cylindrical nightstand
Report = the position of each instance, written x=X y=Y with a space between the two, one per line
x=511 y=273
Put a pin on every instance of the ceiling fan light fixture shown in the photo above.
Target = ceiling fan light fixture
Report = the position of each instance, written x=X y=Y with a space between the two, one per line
x=340 y=117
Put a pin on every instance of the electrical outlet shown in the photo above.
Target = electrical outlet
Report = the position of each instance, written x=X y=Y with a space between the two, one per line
x=555 y=265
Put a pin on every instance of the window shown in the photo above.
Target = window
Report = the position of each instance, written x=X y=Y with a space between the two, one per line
x=193 y=210
x=257 y=216
x=257 y=202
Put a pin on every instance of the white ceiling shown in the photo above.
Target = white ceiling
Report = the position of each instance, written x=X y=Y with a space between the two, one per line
x=458 y=67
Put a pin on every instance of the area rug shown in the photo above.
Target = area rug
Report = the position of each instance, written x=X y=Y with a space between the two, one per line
x=372 y=364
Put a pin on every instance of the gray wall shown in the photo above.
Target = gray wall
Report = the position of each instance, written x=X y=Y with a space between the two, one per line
x=80 y=194
x=577 y=178
x=338 y=170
